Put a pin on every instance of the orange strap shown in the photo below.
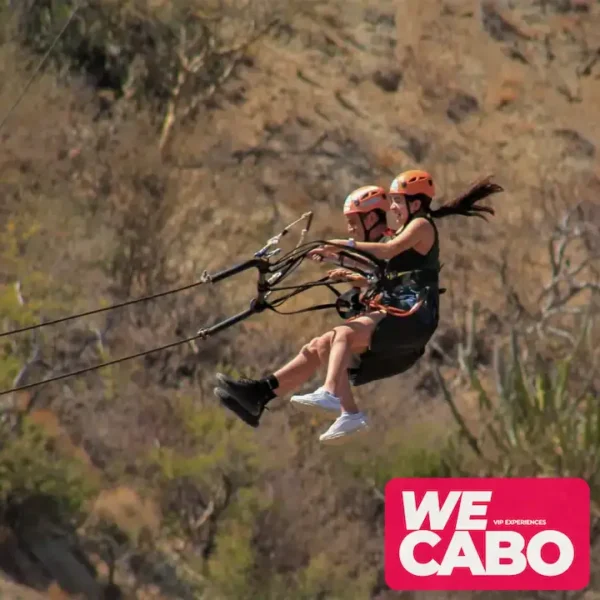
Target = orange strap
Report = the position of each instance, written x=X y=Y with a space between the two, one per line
x=391 y=310
x=396 y=312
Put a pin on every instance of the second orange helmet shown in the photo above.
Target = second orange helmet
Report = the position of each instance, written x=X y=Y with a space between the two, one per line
x=411 y=183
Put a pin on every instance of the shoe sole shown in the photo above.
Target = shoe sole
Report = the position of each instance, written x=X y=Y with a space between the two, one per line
x=221 y=378
x=344 y=439
x=315 y=410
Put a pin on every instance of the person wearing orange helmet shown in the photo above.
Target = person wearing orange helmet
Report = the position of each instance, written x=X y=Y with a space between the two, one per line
x=367 y=205
x=392 y=333
x=365 y=210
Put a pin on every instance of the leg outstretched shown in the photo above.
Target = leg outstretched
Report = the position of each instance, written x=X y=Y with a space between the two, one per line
x=254 y=394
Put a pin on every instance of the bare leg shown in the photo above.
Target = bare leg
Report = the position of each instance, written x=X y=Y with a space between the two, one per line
x=337 y=346
x=343 y=390
x=254 y=395
x=346 y=396
x=350 y=338
x=302 y=367
x=323 y=347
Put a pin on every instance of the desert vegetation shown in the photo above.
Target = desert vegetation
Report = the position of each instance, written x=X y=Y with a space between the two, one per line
x=159 y=140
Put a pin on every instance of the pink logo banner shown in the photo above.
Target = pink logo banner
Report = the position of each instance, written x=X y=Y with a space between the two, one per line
x=487 y=534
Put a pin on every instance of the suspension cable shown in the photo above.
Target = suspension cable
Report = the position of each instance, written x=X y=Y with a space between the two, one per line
x=205 y=278
x=40 y=65
x=104 y=309
x=100 y=365
x=203 y=334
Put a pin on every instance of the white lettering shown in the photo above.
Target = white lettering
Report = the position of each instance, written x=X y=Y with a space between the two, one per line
x=506 y=553
x=430 y=505
x=494 y=553
x=461 y=542
x=468 y=510
x=565 y=549
x=462 y=553
x=414 y=515
x=407 y=553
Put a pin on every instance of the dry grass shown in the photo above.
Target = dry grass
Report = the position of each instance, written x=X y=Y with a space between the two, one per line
x=301 y=124
x=137 y=517
x=55 y=431
x=12 y=591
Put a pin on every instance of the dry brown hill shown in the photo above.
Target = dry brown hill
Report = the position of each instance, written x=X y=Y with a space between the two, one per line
x=110 y=194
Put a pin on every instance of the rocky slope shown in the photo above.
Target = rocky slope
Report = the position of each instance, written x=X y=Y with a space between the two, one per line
x=333 y=97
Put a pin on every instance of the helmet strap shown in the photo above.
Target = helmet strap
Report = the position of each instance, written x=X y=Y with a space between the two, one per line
x=367 y=232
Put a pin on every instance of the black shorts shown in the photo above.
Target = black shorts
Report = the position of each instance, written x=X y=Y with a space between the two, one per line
x=373 y=366
x=397 y=342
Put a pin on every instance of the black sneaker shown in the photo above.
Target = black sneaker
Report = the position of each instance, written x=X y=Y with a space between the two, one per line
x=231 y=404
x=250 y=393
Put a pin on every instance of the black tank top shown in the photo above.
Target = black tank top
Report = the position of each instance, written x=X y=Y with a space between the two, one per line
x=410 y=260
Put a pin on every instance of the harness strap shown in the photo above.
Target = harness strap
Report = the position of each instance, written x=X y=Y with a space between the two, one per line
x=424 y=276
x=302 y=310
x=396 y=312
x=346 y=303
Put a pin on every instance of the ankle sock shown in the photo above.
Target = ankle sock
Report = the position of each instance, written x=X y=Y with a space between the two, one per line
x=267 y=386
x=272 y=381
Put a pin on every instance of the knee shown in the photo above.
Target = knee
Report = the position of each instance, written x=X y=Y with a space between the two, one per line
x=323 y=345
x=342 y=334
x=310 y=351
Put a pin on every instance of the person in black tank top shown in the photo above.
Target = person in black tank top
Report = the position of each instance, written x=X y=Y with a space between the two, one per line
x=391 y=335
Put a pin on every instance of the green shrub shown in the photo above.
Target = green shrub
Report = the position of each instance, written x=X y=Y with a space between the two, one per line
x=138 y=49
x=215 y=447
x=324 y=577
x=217 y=472
x=30 y=467
x=400 y=453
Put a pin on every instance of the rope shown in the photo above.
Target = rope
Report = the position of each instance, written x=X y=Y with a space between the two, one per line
x=106 y=308
x=100 y=365
x=190 y=339
x=203 y=333
x=39 y=67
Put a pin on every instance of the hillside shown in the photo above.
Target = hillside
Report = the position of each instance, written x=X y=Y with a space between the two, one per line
x=163 y=139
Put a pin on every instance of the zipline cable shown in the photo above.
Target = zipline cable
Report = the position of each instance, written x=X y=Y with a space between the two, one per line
x=202 y=334
x=104 y=309
x=284 y=272
x=40 y=65
x=99 y=366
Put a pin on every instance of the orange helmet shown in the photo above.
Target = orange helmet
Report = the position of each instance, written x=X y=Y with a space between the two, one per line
x=411 y=183
x=365 y=199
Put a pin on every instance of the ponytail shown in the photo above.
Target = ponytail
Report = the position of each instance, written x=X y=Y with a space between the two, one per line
x=465 y=204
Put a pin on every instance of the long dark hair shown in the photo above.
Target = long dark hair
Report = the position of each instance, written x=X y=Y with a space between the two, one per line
x=465 y=204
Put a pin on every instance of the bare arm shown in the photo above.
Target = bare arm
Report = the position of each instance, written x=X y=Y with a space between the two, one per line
x=349 y=277
x=419 y=234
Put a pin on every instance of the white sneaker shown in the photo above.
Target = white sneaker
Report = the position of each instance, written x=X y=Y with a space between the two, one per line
x=345 y=425
x=319 y=401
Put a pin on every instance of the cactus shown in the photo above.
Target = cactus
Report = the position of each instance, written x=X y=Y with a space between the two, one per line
x=535 y=423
